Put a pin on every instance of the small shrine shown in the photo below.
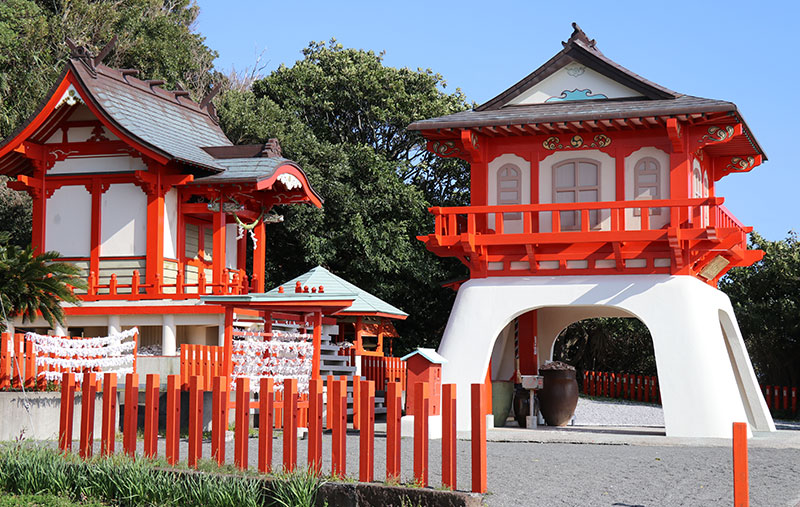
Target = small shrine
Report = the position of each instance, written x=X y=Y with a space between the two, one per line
x=593 y=194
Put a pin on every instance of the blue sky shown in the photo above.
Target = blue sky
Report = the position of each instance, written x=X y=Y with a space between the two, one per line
x=742 y=51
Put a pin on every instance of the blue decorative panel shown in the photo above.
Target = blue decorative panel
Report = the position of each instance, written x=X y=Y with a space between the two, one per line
x=576 y=94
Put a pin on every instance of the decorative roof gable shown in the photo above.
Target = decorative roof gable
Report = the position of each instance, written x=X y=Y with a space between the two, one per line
x=578 y=72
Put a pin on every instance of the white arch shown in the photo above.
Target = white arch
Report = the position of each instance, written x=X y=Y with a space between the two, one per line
x=699 y=390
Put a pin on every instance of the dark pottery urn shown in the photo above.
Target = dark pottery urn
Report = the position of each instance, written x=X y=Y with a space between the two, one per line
x=559 y=396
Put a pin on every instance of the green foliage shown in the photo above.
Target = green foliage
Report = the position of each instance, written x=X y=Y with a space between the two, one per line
x=15 y=214
x=27 y=469
x=31 y=284
x=607 y=344
x=342 y=115
x=766 y=300
x=155 y=36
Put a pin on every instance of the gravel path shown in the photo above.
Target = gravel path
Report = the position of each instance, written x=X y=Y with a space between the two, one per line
x=590 y=474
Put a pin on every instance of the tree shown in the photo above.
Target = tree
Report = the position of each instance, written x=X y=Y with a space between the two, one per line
x=342 y=115
x=154 y=36
x=766 y=300
x=35 y=284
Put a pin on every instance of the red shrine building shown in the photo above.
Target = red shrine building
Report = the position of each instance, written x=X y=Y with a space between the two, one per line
x=593 y=195
x=139 y=187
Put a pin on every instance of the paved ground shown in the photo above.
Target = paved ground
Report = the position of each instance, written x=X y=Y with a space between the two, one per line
x=620 y=466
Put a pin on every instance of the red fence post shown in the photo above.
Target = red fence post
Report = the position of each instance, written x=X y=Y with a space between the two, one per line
x=315 y=424
x=242 y=434
x=129 y=427
x=794 y=400
x=108 y=432
x=638 y=388
x=586 y=382
x=768 y=397
x=67 y=409
x=219 y=418
x=785 y=397
x=366 y=462
x=151 y=415
x=88 y=391
x=339 y=429
x=449 y=436
x=5 y=361
x=356 y=400
x=646 y=384
x=393 y=414
x=741 y=495
x=173 y=418
x=422 y=404
x=195 y=420
x=290 y=424
x=478 y=439
x=18 y=365
x=30 y=367
x=328 y=401
x=265 y=407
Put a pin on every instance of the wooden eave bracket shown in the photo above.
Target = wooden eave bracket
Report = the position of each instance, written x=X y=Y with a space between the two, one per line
x=470 y=143
x=533 y=265
x=620 y=262
x=674 y=237
x=738 y=164
x=714 y=135
x=675 y=134
x=31 y=150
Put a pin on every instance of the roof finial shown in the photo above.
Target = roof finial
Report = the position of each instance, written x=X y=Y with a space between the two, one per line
x=106 y=50
x=82 y=54
x=272 y=149
x=578 y=35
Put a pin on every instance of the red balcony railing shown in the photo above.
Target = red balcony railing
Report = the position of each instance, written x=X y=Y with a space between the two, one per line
x=661 y=235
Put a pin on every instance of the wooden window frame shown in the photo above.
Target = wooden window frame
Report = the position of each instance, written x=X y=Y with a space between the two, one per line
x=594 y=215
x=638 y=171
x=500 y=179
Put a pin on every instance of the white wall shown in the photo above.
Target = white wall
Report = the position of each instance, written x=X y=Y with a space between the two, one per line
x=656 y=221
x=510 y=226
x=124 y=221
x=573 y=77
x=608 y=188
x=231 y=230
x=69 y=222
x=95 y=164
x=171 y=224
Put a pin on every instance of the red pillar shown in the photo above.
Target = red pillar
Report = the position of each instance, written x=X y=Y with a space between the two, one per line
x=265 y=407
x=151 y=416
x=173 y=419
x=260 y=256
x=366 y=463
x=242 y=435
x=39 y=197
x=228 y=346
x=317 y=345
x=449 y=436
x=195 y=420
x=67 y=408
x=741 y=495
x=88 y=391
x=290 y=424
x=393 y=414
x=478 y=439
x=528 y=361
x=155 y=229
x=421 y=412
x=219 y=418
x=218 y=259
x=131 y=413
x=108 y=432
x=96 y=224
x=315 y=424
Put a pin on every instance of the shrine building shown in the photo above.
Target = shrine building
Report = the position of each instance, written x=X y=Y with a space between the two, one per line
x=593 y=194
x=139 y=187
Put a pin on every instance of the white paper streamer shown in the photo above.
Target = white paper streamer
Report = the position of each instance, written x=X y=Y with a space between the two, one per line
x=109 y=354
x=285 y=355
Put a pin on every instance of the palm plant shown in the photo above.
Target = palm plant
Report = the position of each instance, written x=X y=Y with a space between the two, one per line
x=32 y=284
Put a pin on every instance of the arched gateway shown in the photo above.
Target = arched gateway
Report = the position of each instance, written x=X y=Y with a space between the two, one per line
x=607 y=222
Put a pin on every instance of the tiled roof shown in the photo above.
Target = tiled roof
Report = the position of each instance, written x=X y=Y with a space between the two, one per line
x=429 y=354
x=171 y=124
x=364 y=303
x=576 y=111
x=246 y=170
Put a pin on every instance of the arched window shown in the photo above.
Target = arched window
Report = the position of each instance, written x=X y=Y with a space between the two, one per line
x=509 y=189
x=576 y=180
x=647 y=182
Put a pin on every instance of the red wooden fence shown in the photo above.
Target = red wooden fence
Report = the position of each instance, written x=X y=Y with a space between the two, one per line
x=383 y=370
x=780 y=399
x=621 y=385
x=205 y=361
x=268 y=405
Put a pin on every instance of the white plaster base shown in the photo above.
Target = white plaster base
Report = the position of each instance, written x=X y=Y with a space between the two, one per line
x=434 y=426
x=705 y=375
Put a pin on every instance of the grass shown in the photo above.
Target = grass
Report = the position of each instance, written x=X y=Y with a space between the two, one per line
x=44 y=500
x=30 y=470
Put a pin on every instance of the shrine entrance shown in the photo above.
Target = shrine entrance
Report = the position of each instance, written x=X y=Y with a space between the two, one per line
x=706 y=379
